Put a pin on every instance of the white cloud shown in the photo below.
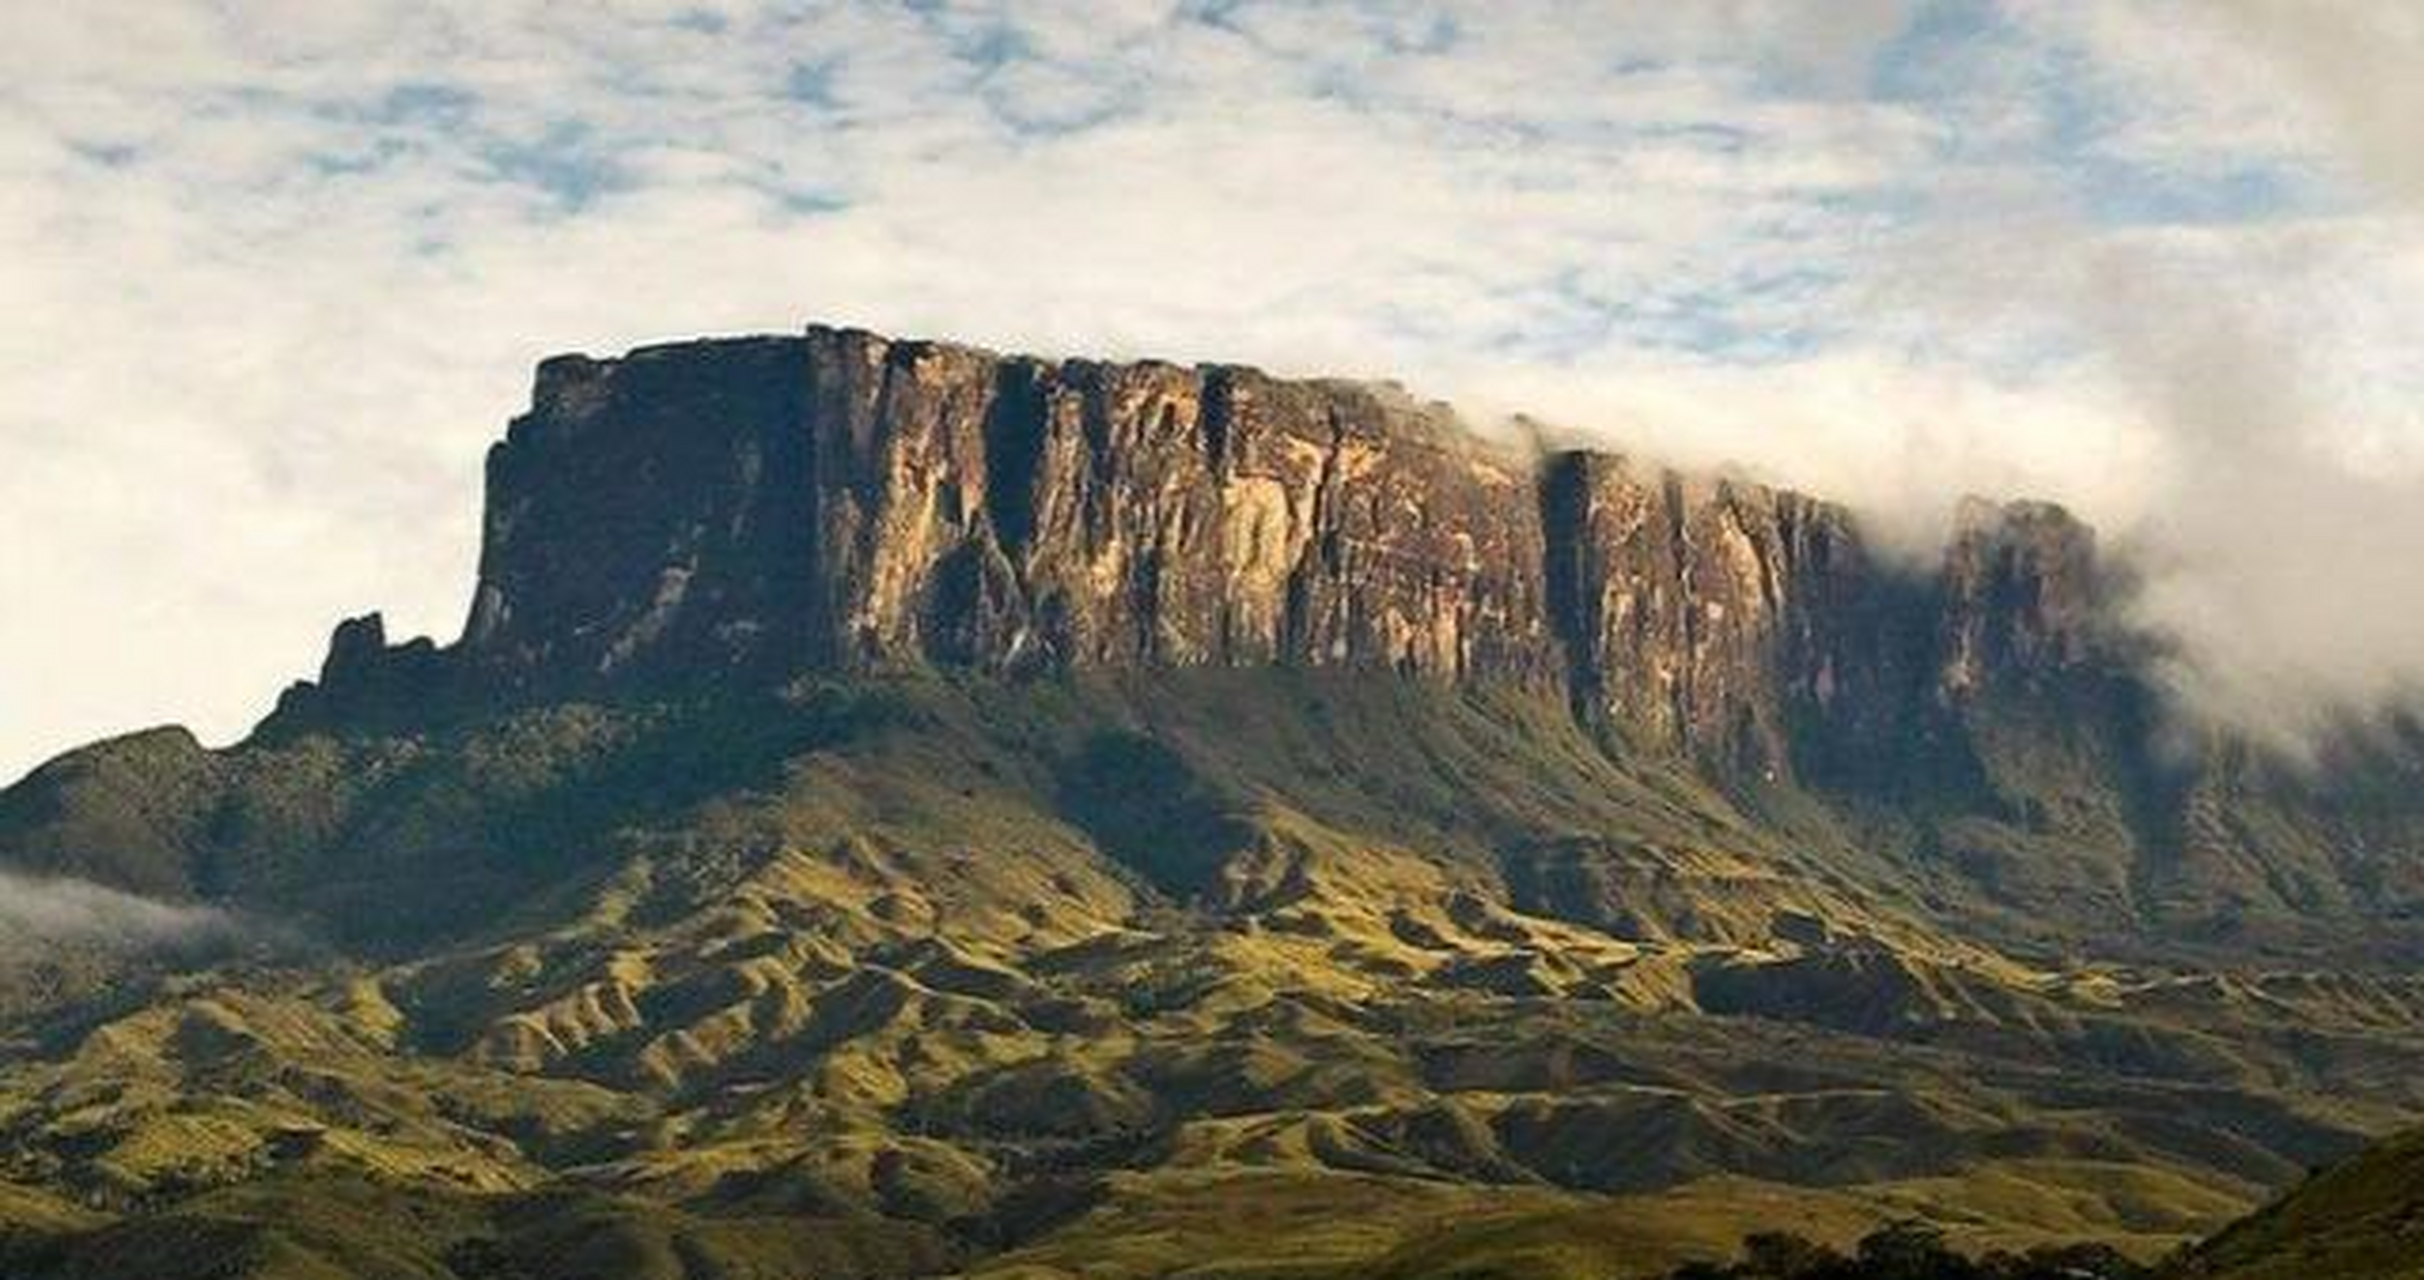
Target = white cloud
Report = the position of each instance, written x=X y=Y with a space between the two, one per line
x=36 y=914
x=276 y=272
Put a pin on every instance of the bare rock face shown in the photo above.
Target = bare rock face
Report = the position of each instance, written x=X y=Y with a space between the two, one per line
x=841 y=501
x=648 y=512
x=844 y=500
x=2021 y=595
x=1006 y=513
x=1709 y=615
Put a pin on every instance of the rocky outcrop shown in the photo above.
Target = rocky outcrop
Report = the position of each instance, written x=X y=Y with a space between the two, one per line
x=364 y=679
x=842 y=501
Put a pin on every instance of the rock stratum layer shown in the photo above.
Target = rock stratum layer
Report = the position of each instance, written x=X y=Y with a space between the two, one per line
x=840 y=501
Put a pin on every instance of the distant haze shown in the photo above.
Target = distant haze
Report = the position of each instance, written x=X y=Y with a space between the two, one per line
x=275 y=273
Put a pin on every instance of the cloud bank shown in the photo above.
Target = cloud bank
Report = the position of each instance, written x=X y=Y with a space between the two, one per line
x=276 y=271
x=37 y=914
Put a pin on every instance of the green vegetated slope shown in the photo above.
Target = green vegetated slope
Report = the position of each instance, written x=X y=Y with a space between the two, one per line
x=1244 y=973
x=2361 y=1220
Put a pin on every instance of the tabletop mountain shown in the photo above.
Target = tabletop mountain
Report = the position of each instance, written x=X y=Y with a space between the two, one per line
x=896 y=809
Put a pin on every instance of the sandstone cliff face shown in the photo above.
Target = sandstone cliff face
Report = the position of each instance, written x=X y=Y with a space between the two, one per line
x=842 y=501
x=1009 y=513
x=1711 y=615
x=646 y=511
x=2020 y=595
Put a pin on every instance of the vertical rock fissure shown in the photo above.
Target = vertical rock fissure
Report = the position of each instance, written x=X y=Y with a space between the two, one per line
x=1014 y=451
x=1563 y=484
x=1216 y=396
x=1678 y=571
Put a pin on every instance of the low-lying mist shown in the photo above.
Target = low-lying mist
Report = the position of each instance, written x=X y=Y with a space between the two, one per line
x=37 y=914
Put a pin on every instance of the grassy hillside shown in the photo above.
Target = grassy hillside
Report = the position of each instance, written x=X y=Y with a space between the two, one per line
x=1288 y=973
x=2361 y=1220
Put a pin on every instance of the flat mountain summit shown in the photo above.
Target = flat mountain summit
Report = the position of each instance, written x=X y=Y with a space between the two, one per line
x=839 y=501
x=895 y=809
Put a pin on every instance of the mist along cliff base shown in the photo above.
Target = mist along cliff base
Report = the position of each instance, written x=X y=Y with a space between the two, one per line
x=899 y=810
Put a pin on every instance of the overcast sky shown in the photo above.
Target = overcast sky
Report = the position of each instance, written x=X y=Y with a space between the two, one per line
x=275 y=272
